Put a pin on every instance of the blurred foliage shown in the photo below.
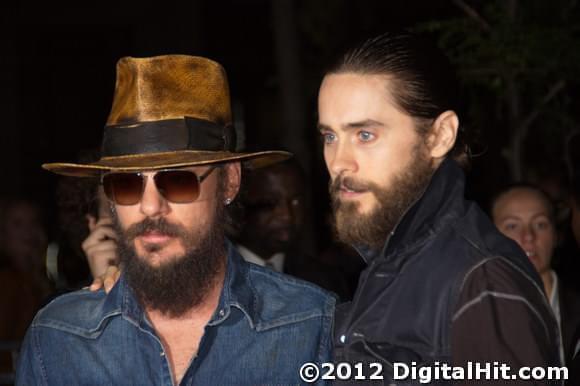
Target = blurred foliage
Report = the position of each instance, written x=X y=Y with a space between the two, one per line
x=532 y=45
x=537 y=43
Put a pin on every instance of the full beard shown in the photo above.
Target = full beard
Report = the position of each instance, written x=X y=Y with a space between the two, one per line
x=371 y=229
x=183 y=282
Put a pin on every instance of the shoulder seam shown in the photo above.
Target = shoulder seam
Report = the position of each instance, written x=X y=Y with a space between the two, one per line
x=473 y=268
x=515 y=267
x=500 y=295
x=291 y=280
x=69 y=328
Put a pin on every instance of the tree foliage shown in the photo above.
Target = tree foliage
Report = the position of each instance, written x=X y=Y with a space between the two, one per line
x=519 y=63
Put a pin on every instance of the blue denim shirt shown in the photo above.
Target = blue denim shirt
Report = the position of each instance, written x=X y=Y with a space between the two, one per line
x=265 y=327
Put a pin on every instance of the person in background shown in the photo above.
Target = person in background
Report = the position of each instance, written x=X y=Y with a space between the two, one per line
x=100 y=246
x=25 y=285
x=272 y=203
x=77 y=203
x=271 y=222
x=525 y=214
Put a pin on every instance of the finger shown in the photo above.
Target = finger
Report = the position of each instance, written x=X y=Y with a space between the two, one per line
x=99 y=263
x=92 y=221
x=111 y=278
x=98 y=235
x=96 y=285
x=105 y=221
x=103 y=246
x=110 y=282
x=109 y=231
x=106 y=230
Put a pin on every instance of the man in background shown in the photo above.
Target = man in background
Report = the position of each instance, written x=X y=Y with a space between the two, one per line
x=271 y=225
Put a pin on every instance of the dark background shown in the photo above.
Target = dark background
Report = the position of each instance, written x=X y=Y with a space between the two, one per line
x=57 y=74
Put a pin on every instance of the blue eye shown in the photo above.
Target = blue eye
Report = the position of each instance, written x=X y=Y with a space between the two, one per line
x=365 y=136
x=328 y=138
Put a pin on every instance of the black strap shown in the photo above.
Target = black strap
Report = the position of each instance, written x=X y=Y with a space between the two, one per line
x=167 y=135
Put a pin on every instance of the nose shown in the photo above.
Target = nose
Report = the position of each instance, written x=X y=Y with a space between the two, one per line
x=152 y=202
x=285 y=212
x=340 y=159
x=529 y=235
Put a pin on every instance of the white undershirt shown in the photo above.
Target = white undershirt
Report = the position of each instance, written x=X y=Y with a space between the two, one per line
x=276 y=261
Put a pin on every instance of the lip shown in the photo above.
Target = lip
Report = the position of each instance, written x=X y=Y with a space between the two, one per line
x=531 y=254
x=155 y=238
x=350 y=194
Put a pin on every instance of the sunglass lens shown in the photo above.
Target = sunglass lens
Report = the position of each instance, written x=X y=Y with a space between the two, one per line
x=123 y=188
x=178 y=186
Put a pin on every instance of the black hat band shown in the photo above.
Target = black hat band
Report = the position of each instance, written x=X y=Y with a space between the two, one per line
x=167 y=135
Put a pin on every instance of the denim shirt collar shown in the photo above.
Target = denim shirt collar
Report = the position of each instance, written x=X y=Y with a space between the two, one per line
x=237 y=292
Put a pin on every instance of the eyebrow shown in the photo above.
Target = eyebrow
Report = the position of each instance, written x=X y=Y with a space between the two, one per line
x=509 y=217
x=516 y=217
x=352 y=125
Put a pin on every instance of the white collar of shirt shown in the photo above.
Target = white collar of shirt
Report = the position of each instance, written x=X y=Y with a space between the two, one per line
x=555 y=304
x=276 y=261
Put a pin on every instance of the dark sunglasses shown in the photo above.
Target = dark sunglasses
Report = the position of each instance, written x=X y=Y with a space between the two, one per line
x=176 y=186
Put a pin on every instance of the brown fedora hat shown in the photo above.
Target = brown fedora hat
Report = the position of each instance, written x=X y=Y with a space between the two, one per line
x=168 y=111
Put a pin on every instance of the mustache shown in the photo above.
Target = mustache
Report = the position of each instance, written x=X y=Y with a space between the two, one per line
x=350 y=184
x=159 y=225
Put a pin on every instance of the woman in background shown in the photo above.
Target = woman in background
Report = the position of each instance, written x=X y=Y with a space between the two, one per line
x=525 y=214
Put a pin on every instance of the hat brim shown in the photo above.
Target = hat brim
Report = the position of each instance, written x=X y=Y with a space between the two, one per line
x=174 y=159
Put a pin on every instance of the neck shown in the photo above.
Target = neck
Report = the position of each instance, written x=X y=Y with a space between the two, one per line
x=548 y=281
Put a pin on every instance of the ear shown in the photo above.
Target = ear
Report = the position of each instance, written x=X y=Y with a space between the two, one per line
x=443 y=134
x=233 y=175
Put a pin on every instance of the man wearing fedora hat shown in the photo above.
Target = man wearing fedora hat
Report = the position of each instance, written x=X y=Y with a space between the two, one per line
x=187 y=308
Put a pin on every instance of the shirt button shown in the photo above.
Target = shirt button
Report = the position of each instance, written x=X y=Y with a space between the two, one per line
x=162 y=353
x=222 y=313
x=342 y=338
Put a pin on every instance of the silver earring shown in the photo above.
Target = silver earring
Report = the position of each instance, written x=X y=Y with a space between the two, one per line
x=228 y=201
